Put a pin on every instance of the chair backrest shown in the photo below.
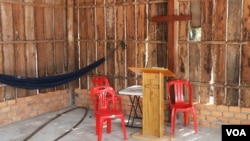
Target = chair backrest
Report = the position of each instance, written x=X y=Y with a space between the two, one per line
x=99 y=94
x=100 y=81
x=179 y=91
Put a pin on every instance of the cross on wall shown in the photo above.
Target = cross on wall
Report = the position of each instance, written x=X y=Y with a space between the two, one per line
x=171 y=18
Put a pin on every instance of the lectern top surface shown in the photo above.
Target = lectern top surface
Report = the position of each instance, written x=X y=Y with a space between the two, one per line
x=164 y=71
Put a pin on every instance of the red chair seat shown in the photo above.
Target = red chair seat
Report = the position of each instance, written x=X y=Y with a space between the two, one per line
x=183 y=106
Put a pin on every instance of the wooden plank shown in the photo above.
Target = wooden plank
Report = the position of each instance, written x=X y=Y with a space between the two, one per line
x=1 y=60
x=49 y=48
x=130 y=22
x=206 y=23
x=8 y=49
x=245 y=66
x=130 y=35
x=234 y=20
x=161 y=35
x=194 y=50
x=120 y=63
x=232 y=97
x=140 y=51
x=246 y=20
x=151 y=48
x=39 y=21
x=196 y=92
x=183 y=61
x=219 y=95
x=161 y=55
x=59 y=34
x=83 y=62
x=1 y=66
x=81 y=28
x=31 y=49
x=204 y=94
x=219 y=20
x=233 y=70
x=218 y=51
x=182 y=68
x=194 y=62
x=110 y=35
x=195 y=10
x=245 y=69
x=101 y=52
x=99 y=2
x=183 y=25
x=141 y=36
x=218 y=72
x=130 y=63
x=206 y=62
x=233 y=33
x=70 y=59
x=245 y=98
x=91 y=46
x=152 y=51
x=214 y=64
x=206 y=70
x=20 y=61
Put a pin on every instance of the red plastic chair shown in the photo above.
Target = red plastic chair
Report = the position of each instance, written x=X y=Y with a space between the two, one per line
x=105 y=111
x=180 y=97
x=101 y=80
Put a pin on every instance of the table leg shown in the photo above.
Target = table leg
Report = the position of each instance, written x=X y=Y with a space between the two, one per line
x=135 y=101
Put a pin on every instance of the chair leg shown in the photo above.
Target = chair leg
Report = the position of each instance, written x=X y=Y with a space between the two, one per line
x=173 y=116
x=100 y=130
x=109 y=125
x=123 y=128
x=97 y=124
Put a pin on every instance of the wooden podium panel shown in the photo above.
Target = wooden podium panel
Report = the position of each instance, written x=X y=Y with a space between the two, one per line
x=153 y=100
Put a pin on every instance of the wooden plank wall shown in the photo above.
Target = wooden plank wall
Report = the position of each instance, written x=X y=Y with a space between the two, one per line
x=48 y=37
x=218 y=64
x=33 y=42
x=103 y=24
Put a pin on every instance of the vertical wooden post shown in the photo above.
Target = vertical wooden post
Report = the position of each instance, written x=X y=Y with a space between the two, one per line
x=171 y=36
x=71 y=48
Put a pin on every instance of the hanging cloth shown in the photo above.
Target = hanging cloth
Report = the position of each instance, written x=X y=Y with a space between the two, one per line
x=47 y=81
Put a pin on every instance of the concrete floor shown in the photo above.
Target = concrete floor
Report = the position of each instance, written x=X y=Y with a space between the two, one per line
x=65 y=127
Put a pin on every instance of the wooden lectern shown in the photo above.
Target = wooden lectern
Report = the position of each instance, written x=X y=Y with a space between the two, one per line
x=153 y=102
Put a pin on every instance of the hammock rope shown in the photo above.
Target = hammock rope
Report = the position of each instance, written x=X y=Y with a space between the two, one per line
x=47 y=81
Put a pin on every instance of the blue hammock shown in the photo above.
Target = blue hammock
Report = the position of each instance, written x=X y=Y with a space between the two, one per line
x=47 y=81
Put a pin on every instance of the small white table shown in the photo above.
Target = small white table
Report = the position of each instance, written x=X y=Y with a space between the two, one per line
x=134 y=92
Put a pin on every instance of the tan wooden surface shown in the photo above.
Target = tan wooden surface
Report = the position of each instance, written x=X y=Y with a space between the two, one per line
x=153 y=104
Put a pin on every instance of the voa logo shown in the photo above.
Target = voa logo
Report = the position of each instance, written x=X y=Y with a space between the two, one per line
x=236 y=132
